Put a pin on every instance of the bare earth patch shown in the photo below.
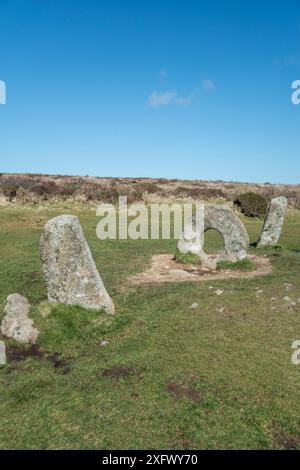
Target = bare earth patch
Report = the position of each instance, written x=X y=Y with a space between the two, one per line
x=119 y=372
x=164 y=269
x=286 y=441
x=184 y=389
x=17 y=354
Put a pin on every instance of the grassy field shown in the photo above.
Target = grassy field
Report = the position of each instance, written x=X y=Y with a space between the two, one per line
x=219 y=376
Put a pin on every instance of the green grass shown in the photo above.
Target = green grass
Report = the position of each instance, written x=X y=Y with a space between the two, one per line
x=186 y=258
x=243 y=265
x=219 y=376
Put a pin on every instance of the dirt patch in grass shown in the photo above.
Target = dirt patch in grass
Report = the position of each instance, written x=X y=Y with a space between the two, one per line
x=184 y=389
x=58 y=363
x=20 y=353
x=286 y=441
x=119 y=372
x=165 y=269
x=17 y=353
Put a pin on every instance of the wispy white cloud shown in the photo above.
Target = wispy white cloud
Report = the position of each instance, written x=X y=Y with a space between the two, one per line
x=208 y=85
x=157 y=99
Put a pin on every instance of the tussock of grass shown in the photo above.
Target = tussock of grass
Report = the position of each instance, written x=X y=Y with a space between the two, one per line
x=67 y=327
x=186 y=258
x=243 y=265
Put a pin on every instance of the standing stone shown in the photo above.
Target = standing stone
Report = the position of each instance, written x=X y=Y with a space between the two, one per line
x=68 y=266
x=16 y=323
x=273 y=222
x=221 y=218
x=2 y=353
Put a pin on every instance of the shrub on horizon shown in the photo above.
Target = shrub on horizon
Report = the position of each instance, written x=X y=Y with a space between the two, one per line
x=252 y=204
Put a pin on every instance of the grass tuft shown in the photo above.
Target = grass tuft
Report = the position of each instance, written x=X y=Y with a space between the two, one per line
x=243 y=265
x=186 y=258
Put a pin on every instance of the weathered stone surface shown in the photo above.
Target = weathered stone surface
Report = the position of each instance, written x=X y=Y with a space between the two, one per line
x=16 y=323
x=194 y=306
x=273 y=222
x=222 y=219
x=68 y=266
x=2 y=353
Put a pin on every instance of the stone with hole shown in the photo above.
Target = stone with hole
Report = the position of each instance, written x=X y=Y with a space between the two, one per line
x=222 y=219
x=273 y=222
x=16 y=324
x=68 y=266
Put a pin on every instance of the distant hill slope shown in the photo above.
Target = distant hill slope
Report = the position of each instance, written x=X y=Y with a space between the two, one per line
x=35 y=187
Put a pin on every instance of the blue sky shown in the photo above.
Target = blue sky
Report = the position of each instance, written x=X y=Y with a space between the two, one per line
x=159 y=88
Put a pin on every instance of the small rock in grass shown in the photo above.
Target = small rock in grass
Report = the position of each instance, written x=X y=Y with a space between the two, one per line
x=16 y=323
x=219 y=292
x=104 y=342
x=287 y=298
x=2 y=353
x=194 y=305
